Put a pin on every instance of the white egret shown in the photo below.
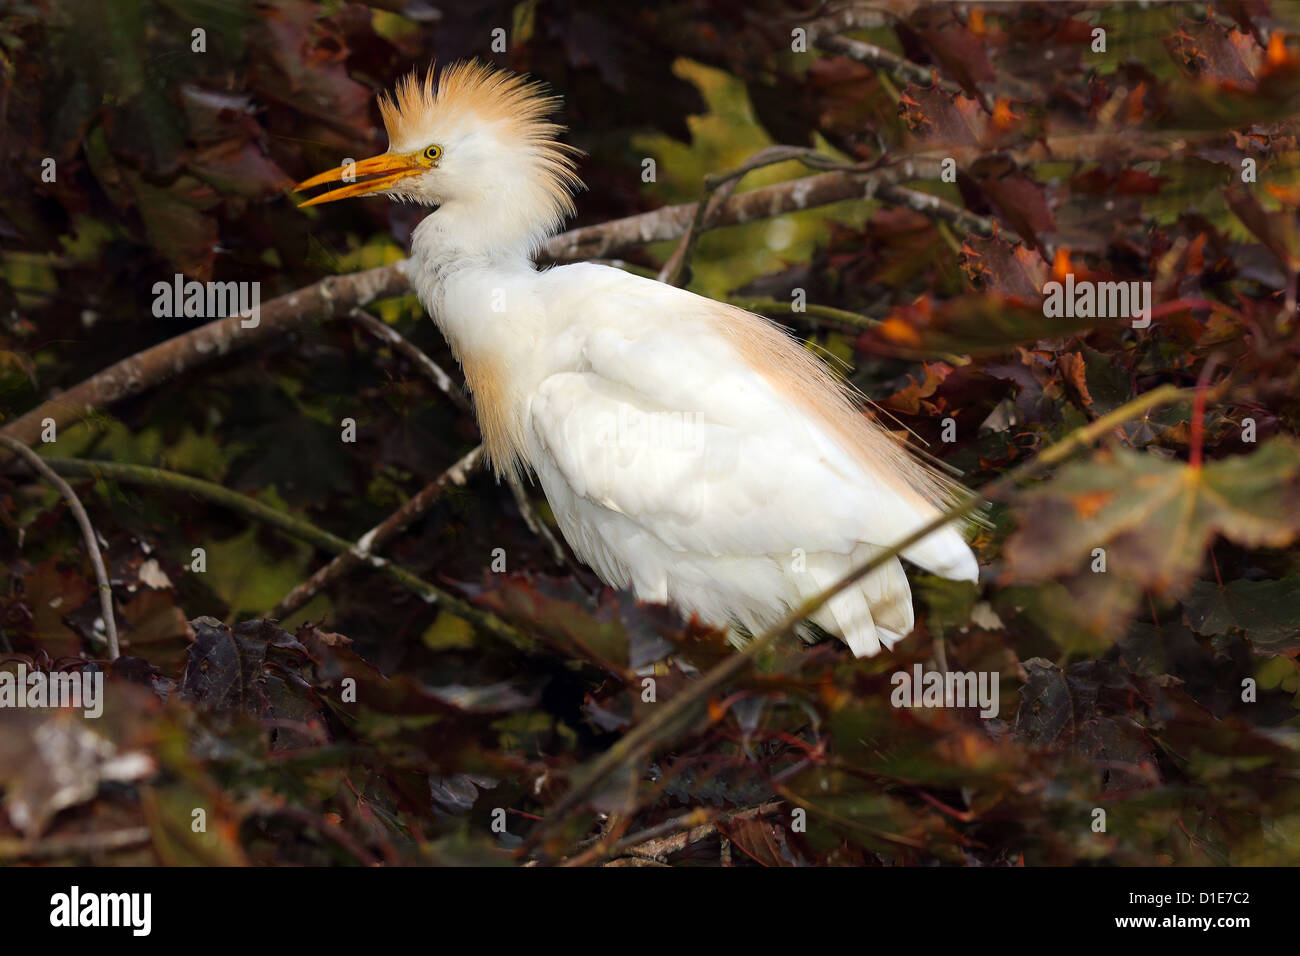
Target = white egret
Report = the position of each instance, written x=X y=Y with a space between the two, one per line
x=690 y=450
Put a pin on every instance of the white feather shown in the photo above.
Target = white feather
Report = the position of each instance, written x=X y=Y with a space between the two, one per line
x=678 y=461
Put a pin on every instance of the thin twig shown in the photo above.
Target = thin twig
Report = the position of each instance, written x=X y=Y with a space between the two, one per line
x=78 y=844
x=936 y=207
x=718 y=189
x=445 y=384
x=681 y=712
x=672 y=836
x=413 y=353
x=882 y=59
x=363 y=550
x=535 y=524
x=298 y=528
x=677 y=269
x=87 y=534
x=842 y=319
x=850 y=18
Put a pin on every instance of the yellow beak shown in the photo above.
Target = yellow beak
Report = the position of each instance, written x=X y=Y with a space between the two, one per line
x=386 y=168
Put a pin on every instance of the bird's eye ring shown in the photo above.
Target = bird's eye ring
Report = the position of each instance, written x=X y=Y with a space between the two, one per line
x=433 y=153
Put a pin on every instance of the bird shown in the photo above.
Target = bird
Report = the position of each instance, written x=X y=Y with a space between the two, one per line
x=691 y=451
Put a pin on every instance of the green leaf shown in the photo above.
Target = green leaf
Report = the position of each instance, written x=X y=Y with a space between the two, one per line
x=1152 y=517
x=1267 y=611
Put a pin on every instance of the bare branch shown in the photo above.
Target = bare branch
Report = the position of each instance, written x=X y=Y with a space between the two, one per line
x=535 y=524
x=403 y=346
x=364 y=550
x=338 y=295
x=720 y=188
x=78 y=844
x=937 y=208
x=842 y=319
x=329 y=297
x=671 y=222
x=298 y=528
x=672 y=836
x=677 y=269
x=850 y=18
x=881 y=59
x=87 y=534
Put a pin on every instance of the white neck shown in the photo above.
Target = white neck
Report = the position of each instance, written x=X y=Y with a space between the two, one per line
x=484 y=299
x=472 y=277
x=458 y=231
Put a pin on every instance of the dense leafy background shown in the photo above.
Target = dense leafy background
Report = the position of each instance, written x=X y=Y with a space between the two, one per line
x=1120 y=690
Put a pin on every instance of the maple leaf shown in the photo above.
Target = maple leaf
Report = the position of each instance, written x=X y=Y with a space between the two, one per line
x=1267 y=611
x=1154 y=517
x=939 y=118
x=1000 y=266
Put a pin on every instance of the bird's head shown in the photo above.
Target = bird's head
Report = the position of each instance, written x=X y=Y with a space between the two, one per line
x=476 y=143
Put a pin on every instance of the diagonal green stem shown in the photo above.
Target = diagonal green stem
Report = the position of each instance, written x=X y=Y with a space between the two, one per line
x=682 y=709
x=296 y=527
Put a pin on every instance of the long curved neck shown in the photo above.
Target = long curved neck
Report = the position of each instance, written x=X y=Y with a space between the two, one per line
x=474 y=280
x=483 y=297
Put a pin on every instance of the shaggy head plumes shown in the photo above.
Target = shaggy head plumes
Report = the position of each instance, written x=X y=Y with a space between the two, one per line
x=491 y=135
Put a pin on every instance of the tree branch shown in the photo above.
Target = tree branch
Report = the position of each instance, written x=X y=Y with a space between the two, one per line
x=329 y=297
x=608 y=239
x=852 y=322
x=78 y=844
x=339 y=295
x=671 y=836
x=881 y=59
x=720 y=188
x=535 y=524
x=846 y=321
x=415 y=355
x=937 y=208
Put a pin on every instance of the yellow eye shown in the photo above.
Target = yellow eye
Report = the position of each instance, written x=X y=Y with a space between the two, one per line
x=433 y=153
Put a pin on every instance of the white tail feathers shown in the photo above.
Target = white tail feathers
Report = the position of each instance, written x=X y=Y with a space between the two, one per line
x=874 y=612
x=945 y=553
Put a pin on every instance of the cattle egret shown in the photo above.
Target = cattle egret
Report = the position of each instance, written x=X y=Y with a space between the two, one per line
x=690 y=451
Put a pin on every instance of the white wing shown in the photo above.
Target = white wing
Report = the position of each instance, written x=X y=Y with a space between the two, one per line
x=664 y=437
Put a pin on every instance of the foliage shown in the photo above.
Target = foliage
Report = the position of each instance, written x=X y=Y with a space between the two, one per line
x=374 y=726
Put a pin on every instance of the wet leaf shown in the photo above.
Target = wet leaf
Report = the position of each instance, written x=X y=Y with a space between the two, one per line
x=54 y=759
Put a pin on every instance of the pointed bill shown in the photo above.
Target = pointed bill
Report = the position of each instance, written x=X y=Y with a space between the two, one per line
x=386 y=170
